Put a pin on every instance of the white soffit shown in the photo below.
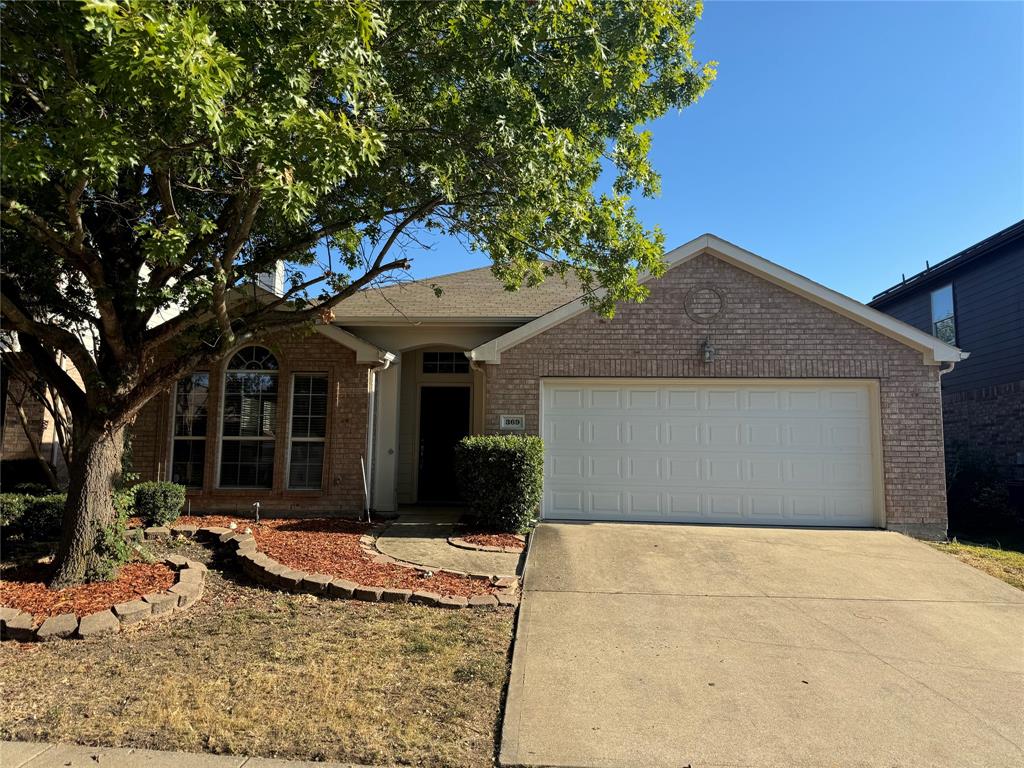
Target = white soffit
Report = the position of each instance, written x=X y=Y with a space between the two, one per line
x=934 y=350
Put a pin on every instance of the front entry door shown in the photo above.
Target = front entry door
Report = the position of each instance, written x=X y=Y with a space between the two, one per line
x=444 y=420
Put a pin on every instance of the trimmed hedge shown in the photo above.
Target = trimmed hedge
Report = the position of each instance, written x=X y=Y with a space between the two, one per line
x=159 y=502
x=501 y=478
x=33 y=518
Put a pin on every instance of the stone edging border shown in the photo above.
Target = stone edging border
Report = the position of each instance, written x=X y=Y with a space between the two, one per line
x=241 y=547
x=188 y=587
x=461 y=543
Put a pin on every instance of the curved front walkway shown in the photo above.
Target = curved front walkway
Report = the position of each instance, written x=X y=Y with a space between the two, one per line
x=421 y=537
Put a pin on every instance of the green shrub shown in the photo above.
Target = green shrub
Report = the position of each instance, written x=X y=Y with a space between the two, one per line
x=112 y=549
x=12 y=509
x=159 y=502
x=42 y=517
x=977 y=495
x=33 y=489
x=501 y=478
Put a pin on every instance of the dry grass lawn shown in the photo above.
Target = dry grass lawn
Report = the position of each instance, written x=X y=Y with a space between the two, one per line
x=1006 y=564
x=253 y=671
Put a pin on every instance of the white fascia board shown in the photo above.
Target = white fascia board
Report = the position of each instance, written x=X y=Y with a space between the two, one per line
x=365 y=351
x=934 y=350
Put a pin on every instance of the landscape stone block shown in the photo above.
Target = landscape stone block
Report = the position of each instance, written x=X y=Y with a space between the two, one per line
x=187 y=592
x=425 y=598
x=453 y=601
x=369 y=594
x=185 y=530
x=19 y=627
x=162 y=602
x=98 y=624
x=290 y=579
x=395 y=595
x=133 y=611
x=58 y=627
x=176 y=561
x=315 y=582
x=341 y=588
x=483 y=601
x=157 y=532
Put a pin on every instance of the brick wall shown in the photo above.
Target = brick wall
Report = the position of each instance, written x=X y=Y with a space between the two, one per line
x=764 y=331
x=348 y=387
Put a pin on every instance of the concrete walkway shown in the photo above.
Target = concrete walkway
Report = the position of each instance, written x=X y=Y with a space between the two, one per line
x=29 y=754
x=673 y=645
x=421 y=537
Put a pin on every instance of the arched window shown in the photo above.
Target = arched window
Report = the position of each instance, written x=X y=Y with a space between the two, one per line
x=249 y=421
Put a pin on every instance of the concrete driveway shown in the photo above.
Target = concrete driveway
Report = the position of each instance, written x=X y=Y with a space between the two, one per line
x=673 y=645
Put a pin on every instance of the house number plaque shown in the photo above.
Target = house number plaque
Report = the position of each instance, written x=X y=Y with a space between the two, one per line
x=512 y=422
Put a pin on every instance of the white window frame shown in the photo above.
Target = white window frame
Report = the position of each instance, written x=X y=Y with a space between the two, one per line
x=174 y=428
x=322 y=440
x=221 y=437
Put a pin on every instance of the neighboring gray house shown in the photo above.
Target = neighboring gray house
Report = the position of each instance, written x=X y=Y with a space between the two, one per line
x=975 y=300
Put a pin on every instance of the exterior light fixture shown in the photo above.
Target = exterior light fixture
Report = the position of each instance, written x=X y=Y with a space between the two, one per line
x=707 y=350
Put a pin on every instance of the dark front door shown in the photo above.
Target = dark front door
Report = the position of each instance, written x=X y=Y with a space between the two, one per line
x=444 y=420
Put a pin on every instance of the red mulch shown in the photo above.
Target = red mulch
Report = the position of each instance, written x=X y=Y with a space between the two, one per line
x=507 y=540
x=25 y=587
x=331 y=546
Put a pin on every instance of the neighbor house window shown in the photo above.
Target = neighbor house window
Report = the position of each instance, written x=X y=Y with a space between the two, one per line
x=249 y=422
x=445 y=362
x=188 y=454
x=309 y=430
x=943 y=317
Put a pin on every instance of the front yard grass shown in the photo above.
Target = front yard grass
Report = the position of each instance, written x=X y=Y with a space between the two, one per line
x=1004 y=559
x=252 y=671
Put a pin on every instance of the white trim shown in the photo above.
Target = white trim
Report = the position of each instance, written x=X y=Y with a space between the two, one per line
x=934 y=350
x=365 y=351
x=431 y=320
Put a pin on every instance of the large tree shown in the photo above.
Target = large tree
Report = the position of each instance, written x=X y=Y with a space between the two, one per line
x=157 y=155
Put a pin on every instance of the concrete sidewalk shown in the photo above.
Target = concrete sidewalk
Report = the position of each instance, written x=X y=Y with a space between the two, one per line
x=29 y=754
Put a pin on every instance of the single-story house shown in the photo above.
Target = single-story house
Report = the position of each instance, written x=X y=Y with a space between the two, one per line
x=739 y=392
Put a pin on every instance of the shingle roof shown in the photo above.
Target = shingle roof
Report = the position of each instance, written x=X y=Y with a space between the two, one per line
x=474 y=293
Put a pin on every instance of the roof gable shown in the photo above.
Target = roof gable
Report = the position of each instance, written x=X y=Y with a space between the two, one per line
x=933 y=350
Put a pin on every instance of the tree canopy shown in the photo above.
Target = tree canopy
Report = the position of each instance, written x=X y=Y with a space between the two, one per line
x=156 y=155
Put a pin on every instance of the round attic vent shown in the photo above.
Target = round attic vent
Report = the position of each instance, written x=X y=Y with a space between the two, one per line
x=704 y=303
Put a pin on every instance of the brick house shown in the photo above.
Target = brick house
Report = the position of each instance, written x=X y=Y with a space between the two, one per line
x=975 y=299
x=739 y=392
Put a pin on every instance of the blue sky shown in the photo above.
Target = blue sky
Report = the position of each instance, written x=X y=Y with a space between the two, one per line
x=849 y=142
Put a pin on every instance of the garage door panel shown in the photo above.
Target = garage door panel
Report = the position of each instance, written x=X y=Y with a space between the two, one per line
x=748 y=452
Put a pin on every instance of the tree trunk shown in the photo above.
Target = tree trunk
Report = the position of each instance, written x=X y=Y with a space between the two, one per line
x=90 y=507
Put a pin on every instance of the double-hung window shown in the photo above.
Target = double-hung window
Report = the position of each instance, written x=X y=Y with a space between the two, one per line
x=249 y=422
x=943 y=314
x=188 y=454
x=308 y=431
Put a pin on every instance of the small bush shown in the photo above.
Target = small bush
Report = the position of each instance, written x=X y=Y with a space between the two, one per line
x=41 y=520
x=12 y=509
x=33 y=489
x=977 y=495
x=112 y=549
x=159 y=502
x=16 y=472
x=501 y=478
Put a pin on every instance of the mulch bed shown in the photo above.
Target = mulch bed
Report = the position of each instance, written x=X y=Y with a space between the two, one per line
x=508 y=540
x=331 y=547
x=24 y=587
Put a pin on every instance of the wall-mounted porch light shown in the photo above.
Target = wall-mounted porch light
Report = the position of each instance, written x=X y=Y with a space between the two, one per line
x=707 y=351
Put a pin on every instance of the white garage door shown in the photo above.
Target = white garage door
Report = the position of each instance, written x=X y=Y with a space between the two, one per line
x=733 y=451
